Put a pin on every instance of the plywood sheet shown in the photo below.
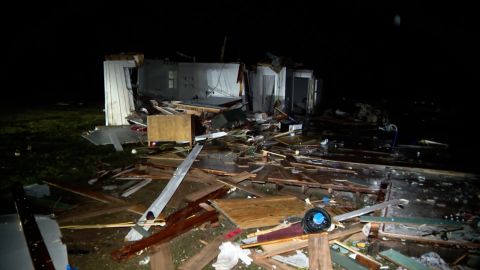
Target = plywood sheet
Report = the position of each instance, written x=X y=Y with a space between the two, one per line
x=260 y=212
x=170 y=128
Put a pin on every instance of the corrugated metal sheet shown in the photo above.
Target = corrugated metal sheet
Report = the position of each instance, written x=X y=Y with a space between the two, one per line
x=118 y=98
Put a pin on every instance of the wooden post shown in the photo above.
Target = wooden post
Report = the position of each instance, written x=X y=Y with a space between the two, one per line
x=319 y=252
x=162 y=259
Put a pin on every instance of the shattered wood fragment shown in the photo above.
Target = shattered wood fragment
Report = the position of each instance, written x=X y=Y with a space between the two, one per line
x=137 y=208
x=319 y=252
x=169 y=232
x=260 y=212
x=162 y=259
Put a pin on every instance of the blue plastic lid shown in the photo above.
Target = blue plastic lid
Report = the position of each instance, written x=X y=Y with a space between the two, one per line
x=318 y=218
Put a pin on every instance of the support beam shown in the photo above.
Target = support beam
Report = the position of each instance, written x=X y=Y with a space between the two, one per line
x=319 y=252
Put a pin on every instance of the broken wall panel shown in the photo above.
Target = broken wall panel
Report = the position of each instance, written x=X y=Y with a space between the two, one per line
x=118 y=97
x=184 y=81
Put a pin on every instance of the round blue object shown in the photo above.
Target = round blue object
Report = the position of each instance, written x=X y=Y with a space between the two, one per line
x=318 y=218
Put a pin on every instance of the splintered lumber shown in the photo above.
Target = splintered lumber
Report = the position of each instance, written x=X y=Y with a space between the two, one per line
x=301 y=242
x=206 y=255
x=402 y=260
x=137 y=209
x=296 y=182
x=169 y=232
x=162 y=259
x=319 y=252
x=368 y=209
x=157 y=206
x=268 y=263
x=177 y=223
x=361 y=258
x=260 y=212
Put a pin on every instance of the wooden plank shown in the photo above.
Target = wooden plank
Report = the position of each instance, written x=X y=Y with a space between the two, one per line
x=202 y=192
x=295 y=182
x=237 y=178
x=136 y=187
x=137 y=208
x=402 y=260
x=386 y=167
x=299 y=244
x=321 y=168
x=204 y=256
x=170 y=128
x=76 y=215
x=269 y=264
x=260 y=212
x=345 y=262
x=162 y=259
x=319 y=252
x=410 y=220
x=250 y=190
x=197 y=108
x=361 y=258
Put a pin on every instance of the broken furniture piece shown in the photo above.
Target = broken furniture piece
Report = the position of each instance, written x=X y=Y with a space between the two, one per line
x=168 y=128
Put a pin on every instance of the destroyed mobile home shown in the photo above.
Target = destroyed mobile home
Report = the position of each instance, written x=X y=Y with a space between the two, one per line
x=291 y=184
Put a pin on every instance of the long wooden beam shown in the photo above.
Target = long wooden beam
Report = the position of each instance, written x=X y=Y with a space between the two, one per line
x=101 y=197
x=319 y=185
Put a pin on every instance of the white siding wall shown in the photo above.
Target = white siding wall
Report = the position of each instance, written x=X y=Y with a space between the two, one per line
x=197 y=78
x=118 y=99
x=257 y=87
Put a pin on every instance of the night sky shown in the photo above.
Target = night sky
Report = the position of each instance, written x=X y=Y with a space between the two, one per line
x=55 y=52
